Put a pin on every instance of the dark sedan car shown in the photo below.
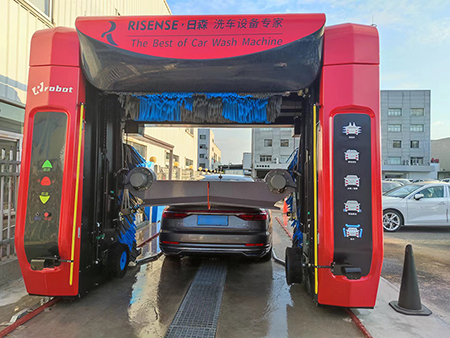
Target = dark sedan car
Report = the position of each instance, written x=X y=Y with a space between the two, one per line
x=195 y=229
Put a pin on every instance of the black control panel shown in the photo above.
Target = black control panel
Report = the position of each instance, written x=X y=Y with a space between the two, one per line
x=352 y=167
x=45 y=185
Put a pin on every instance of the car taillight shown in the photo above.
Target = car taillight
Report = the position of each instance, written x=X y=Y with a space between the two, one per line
x=165 y=242
x=255 y=244
x=253 y=217
x=174 y=215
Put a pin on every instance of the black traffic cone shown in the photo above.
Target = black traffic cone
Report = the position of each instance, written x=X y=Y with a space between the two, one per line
x=409 y=298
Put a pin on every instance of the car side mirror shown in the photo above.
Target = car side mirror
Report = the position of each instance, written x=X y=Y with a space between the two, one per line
x=418 y=196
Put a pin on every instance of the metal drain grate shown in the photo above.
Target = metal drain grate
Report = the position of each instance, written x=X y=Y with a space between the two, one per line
x=199 y=312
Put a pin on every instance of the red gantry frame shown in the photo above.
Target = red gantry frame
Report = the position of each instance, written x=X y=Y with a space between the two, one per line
x=339 y=65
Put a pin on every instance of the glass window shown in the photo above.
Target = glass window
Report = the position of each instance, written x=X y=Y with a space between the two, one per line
x=202 y=137
x=202 y=155
x=395 y=112
x=402 y=192
x=139 y=148
x=416 y=160
x=395 y=127
x=267 y=142
x=203 y=165
x=284 y=142
x=287 y=129
x=45 y=6
x=414 y=144
x=203 y=146
x=189 y=162
x=394 y=160
x=396 y=144
x=417 y=112
x=416 y=127
x=432 y=192
x=265 y=158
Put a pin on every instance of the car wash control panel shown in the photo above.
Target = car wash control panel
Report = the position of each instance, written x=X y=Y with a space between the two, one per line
x=352 y=179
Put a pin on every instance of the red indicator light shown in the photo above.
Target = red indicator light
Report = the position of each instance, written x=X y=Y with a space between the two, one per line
x=165 y=242
x=257 y=244
x=46 y=181
x=174 y=215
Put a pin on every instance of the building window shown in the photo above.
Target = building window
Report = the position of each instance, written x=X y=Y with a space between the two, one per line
x=141 y=149
x=44 y=6
x=202 y=137
x=265 y=158
x=395 y=112
x=203 y=146
x=189 y=162
x=267 y=142
x=201 y=155
x=395 y=127
x=416 y=127
x=203 y=165
x=396 y=144
x=394 y=160
x=414 y=144
x=284 y=143
x=417 y=112
x=416 y=160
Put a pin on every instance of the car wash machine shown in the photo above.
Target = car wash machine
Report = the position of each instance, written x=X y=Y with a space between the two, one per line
x=90 y=87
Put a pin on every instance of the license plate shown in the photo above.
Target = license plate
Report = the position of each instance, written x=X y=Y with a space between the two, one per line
x=212 y=220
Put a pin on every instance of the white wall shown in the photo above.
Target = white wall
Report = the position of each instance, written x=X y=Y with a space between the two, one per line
x=185 y=145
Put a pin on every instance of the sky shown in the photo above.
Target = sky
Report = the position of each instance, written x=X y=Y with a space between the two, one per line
x=414 y=47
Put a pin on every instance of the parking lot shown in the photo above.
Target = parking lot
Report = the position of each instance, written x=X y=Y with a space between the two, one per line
x=431 y=246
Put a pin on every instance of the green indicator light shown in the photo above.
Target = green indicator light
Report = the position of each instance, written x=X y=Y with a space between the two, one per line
x=44 y=199
x=47 y=165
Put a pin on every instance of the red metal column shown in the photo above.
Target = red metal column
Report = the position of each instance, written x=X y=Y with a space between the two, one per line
x=55 y=85
x=350 y=85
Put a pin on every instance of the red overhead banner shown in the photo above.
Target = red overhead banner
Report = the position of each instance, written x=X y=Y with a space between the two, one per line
x=200 y=37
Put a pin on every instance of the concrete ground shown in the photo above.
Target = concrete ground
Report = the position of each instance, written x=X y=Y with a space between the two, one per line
x=256 y=300
x=431 y=248
x=256 y=303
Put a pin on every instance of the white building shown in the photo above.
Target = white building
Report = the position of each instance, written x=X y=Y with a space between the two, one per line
x=405 y=134
x=160 y=144
x=271 y=148
x=209 y=154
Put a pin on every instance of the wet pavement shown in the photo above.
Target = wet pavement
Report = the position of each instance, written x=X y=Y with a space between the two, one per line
x=256 y=303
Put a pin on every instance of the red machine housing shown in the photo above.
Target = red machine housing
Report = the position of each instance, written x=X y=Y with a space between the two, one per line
x=54 y=66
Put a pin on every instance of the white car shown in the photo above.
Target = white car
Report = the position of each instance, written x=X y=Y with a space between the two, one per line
x=416 y=204
x=351 y=154
x=351 y=205
x=351 y=180
x=351 y=129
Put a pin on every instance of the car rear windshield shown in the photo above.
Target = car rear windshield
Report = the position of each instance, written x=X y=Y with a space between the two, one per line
x=402 y=192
